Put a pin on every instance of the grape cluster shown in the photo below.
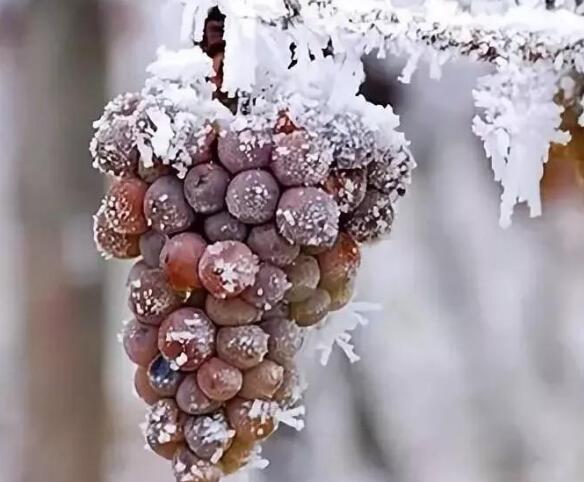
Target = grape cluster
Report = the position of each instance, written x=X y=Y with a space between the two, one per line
x=252 y=240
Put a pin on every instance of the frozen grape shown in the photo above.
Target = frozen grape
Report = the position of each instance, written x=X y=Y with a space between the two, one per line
x=151 y=297
x=267 y=243
x=341 y=293
x=187 y=339
x=163 y=379
x=136 y=271
x=231 y=311
x=286 y=339
x=269 y=288
x=113 y=148
x=219 y=380
x=339 y=263
x=224 y=227
x=308 y=217
x=253 y=420
x=281 y=310
x=143 y=388
x=112 y=244
x=140 y=342
x=243 y=347
x=191 y=399
x=209 y=436
x=304 y=276
x=123 y=206
x=227 y=268
x=348 y=188
x=262 y=381
x=372 y=219
x=205 y=187
x=151 y=244
x=391 y=173
x=153 y=171
x=120 y=106
x=166 y=208
x=290 y=391
x=252 y=196
x=193 y=143
x=312 y=310
x=299 y=159
x=237 y=456
x=247 y=149
x=164 y=430
x=180 y=258
x=187 y=467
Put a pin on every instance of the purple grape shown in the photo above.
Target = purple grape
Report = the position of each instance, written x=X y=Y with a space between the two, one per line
x=111 y=244
x=308 y=217
x=252 y=196
x=151 y=244
x=269 y=288
x=187 y=467
x=372 y=219
x=239 y=151
x=285 y=340
x=191 y=399
x=271 y=247
x=193 y=143
x=205 y=187
x=209 y=436
x=348 y=188
x=151 y=297
x=166 y=208
x=231 y=311
x=224 y=227
x=162 y=378
x=164 y=428
x=113 y=148
x=299 y=160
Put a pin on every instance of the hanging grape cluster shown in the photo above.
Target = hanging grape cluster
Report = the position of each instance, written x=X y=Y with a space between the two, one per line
x=247 y=235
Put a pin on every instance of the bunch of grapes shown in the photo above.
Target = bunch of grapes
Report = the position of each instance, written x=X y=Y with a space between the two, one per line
x=238 y=255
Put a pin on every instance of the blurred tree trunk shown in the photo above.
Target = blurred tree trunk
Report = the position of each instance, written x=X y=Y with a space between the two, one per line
x=62 y=70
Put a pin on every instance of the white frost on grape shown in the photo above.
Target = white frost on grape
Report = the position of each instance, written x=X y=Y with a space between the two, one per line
x=336 y=330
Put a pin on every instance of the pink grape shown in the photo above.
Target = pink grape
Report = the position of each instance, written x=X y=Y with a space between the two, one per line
x=122 y=206
x=166 y=208
x=187 y=467
x=112 y=244
x=191 y=399
x=252 y=196
x=372 y=219
x=162 y=378
x=243 y=346
x=113 y=148
x=164 y=428
x=348 y=188
x=140 y=342
x=219 y=380
x=304 y=276
x=180 y=258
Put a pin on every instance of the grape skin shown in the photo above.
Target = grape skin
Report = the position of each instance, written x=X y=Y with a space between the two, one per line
x=151 y=244
x=224 y=227
x=239 y=151
x=209 y=436
x=269 y=288
x=244 y=347
x=231 y=312
x=140 y=342
x=122 y=206
x=151 y=297
x=219 y=380
x=162 y=378
x=262 y=381
x=252 y=196
x=205 y=187
x=191 y=399
x=285 y=340
x=166 y=208
x=270 y=246
x=180 y=258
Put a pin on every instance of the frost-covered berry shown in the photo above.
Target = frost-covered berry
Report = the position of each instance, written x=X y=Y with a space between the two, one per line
x=269 y=288
x=253 y=420
x=281 y=310
x=140 y=342
x=164 y=430
x=290 y=391
x=244 y=347
x=136 y=271
x=304 y=276
x=162 y=378
x=112 y=244
x=219 y=380
x=153 y=171
x=180 y=258
x=347 y=187
x=191 y=399
x=113 y=148
x=286 y=339
x=247 y=149
x=224 y=227
x=231 y=311
x=252 y=196
x=123 y=206
x=308 y=217
x=390 y=174
x=151 y=244
x=270 y=246
x=122 y=105
x=187 y=467
x=209 y=436
x=187 y=339
x=143 y=388
x=341 y=293
x=193 y=143
x=312 y=310
x=354 y=144
x=263 y=381
x=205 y=187
x=227 y=268
x=299 y=159
x=237 y=456
x=151 y=297
x=372 y=219
x=166 y=208
x=339 y=263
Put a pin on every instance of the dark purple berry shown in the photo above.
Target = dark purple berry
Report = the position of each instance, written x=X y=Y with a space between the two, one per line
x=247 y=149
x=151 y=244
x=224 y=227
x=151 y=297
x=166 y=208
x=372 y=219
x=163 y=379
x=252 y=196
x=205 y=187
x=272 y=247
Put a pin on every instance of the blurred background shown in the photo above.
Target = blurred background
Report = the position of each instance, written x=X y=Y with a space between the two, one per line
x=473 y=371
